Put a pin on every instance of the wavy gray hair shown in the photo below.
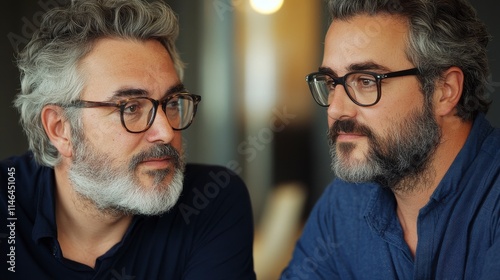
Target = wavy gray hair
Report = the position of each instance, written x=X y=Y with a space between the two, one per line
x=49 y=64
x=442 y=34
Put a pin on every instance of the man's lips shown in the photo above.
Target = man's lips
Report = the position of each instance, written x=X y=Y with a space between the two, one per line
x=157 y=162
x=345 y=136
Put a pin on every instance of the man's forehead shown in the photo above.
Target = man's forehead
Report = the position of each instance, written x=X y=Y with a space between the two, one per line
x=120 y=67
x=366 y=42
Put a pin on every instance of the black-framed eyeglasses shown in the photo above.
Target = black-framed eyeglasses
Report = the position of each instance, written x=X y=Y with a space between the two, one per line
x=362 y=87
x=138 y=113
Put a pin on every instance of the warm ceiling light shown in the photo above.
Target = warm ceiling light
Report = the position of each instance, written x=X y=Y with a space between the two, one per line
x=266 y=6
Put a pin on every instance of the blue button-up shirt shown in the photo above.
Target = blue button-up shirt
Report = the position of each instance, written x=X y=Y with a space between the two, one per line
x=354 y=232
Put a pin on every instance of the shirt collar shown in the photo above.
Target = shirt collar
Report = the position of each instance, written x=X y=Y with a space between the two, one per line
x=381 y=216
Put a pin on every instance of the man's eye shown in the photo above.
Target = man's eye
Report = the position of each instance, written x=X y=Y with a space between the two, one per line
x=173 y=104
x=131 y=108
x=330 y=83
x=362 y=81
x=367 y=82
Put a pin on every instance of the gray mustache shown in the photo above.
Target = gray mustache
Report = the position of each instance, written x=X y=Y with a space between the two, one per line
x=157 y=151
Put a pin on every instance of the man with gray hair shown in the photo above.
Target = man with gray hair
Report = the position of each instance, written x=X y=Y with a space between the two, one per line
x=417 y=193
x=104 y=192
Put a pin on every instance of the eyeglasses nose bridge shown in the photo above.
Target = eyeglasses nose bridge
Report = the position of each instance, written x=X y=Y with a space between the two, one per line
x=153 y=111
x=156 y=104
x=342 y=82
x=163 y=105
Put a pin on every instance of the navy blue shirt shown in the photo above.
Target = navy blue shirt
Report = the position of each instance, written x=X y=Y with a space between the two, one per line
x=207 y=235
x=354 y=232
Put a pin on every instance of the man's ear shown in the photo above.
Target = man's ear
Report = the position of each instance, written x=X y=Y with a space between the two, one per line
x=57 y=128
x=448 y=91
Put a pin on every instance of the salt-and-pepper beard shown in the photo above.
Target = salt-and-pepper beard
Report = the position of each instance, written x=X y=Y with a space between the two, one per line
x=116 y=190
x=403 y=155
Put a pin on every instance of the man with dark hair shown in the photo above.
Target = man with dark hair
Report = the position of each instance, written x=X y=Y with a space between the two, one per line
x=418 y=165
x=104 y=192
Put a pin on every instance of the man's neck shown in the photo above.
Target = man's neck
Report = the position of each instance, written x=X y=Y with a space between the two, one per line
x=409 y=202
x=83 y=232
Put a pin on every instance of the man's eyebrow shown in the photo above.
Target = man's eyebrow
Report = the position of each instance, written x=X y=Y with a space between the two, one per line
x=136 y=92
x=129 y=92
x=327 y=70
x=365 y=66
x=176 y=89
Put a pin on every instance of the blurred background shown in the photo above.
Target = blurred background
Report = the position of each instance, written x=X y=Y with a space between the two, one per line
x=248 y=60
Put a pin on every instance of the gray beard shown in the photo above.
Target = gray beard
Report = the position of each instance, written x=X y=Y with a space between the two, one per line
x=117 y=191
